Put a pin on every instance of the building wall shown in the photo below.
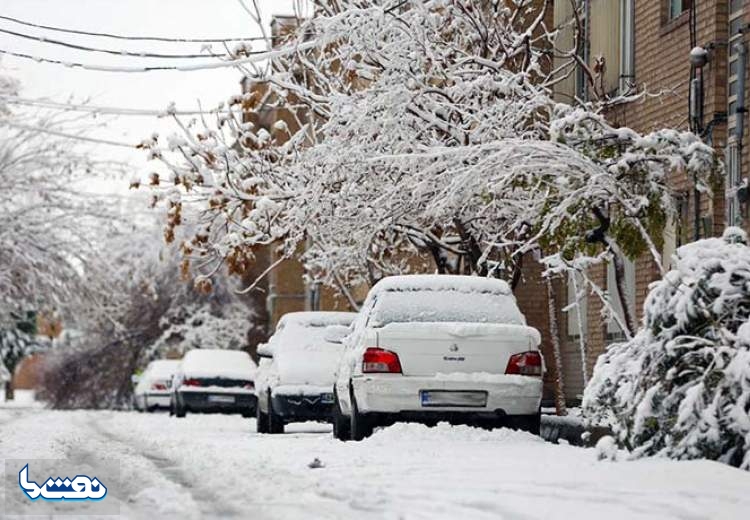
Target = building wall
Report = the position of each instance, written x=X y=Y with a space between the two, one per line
x=662 y=66
x=28 y=373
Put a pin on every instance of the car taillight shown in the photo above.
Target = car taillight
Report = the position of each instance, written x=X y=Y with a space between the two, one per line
x=525 y=364
x=191 y=382
x=249 y=385
x=158 y=386
x=378 y=360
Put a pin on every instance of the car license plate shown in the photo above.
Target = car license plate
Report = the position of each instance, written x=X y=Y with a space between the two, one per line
x=326 y=398
x=461 y=398
x=220 y=398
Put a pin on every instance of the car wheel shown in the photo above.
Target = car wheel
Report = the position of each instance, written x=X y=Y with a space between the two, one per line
x=341 y=426
x=360 y=427
x=527 y=423
x=261 y=420
x=179 y=410
x=275 y=423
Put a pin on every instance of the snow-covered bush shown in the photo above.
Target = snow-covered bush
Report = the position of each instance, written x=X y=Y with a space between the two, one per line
x=681 y=387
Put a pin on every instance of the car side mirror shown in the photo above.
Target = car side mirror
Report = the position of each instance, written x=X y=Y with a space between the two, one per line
x=264 y=351
x=336 y=333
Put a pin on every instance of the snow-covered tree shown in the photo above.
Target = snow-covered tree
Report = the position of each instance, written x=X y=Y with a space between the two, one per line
x=681 y=387
x=49 y=222
x=152 y=309
x=429 y=130
x=423 y=127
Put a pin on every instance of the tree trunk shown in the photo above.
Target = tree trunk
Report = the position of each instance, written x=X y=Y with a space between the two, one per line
x=556 y=351
x=473 y=251
x=582 y=333
x=619 y=266
x=8 y=390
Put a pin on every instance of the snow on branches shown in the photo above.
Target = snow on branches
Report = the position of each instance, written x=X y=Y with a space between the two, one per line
x=425 y=129
x=49 y=222
x=681 y=387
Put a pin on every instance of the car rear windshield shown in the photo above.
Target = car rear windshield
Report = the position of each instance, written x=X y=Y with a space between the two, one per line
x=445 y=305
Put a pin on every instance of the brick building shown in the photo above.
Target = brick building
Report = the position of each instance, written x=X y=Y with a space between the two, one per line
x=644 y=46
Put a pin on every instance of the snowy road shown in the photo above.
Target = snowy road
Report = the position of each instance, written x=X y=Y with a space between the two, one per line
x=218 y=467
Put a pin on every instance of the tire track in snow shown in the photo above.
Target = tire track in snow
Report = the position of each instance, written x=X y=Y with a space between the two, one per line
x=196 y=501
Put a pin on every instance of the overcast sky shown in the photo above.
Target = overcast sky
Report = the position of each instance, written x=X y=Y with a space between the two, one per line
x=153 y=90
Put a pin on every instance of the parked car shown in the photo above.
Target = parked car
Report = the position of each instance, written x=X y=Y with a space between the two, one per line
x=214 y=381
x=296 y=370
x=431 y=348
x=152 y=386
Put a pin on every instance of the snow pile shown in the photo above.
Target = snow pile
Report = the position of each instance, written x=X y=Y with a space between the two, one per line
x=442 y=298
x=606 y=448
x=448 y=433
x=681 y=387
x=207 y=363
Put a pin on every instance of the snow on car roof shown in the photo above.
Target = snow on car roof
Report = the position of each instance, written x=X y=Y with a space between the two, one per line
x=441 y=282
x=235 y=364
x=317 y=318
x=163 y=367
x=443 y=298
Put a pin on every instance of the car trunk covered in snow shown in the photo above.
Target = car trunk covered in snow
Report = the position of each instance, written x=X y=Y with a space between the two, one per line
x=163 y=369
x=432 y=348
x=218 y=364
x=306 y=358
x=449 y=324
x=303 y=360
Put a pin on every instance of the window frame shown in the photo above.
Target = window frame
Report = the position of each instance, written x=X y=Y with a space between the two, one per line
x=731 y=60
x=672 y=14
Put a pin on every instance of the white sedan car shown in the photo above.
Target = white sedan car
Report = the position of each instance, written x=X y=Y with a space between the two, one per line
x=296 y=370
x=152 y=388
x=431 y=348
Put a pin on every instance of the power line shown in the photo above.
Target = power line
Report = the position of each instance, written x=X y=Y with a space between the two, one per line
x=182 y=68
x=57 y=133
x=115 y=52
x=133 y=38
x=117 y=111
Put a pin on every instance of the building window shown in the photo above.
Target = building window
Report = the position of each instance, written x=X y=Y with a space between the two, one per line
x=677 y=7
x=736 y=82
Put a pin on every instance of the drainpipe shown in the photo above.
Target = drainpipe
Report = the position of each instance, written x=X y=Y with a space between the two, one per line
x=739 y=129
x=696 y=124
x=586 y=42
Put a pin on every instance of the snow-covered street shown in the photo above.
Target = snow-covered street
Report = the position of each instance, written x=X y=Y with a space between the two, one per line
x=212 y=466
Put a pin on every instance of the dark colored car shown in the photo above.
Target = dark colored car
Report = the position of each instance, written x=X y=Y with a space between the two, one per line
x=214 y=381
